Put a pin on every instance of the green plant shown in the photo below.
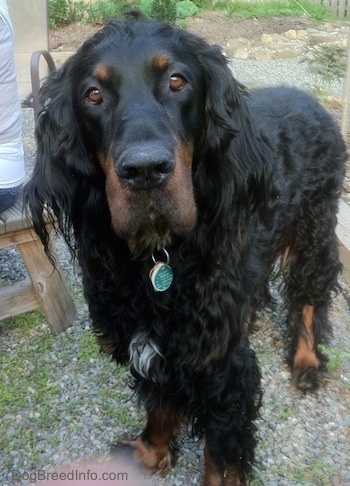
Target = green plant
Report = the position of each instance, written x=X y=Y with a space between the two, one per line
x=64 y=12
x=185 y=9
x=164 y=10
x=78 y=11
x=326 y=63
x=146 y=6
x=58 y=13
x=102 y=11
x=204 y=4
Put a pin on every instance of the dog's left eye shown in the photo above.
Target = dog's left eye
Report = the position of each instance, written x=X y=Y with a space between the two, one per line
x=177 y=82
x=94 y=96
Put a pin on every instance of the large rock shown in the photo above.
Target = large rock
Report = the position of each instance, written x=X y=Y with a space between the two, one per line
x=261 y=54
x=240 y=43
x=317 y=37
x=285 y=53
x=238 y=48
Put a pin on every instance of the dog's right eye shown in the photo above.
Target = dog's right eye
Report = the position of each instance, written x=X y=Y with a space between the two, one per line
x=177 y=82
x=94 y=96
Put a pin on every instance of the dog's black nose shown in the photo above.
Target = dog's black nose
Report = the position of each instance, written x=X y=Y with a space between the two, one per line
x=145 y=166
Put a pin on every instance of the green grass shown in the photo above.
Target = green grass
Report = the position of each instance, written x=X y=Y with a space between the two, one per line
x=33 y=403
x=23 y=322
x=275 y=8
x=286 y=414
x=33 y=400
x=258 y=477
x=308 y=472
x=22 y=378
x=334 y=359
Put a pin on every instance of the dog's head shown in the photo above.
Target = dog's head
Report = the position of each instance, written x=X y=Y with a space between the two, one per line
x=139 y=124
x=139 y=107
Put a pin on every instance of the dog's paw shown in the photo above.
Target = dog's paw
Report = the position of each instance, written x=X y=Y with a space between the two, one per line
x=153 y=460
x=307 y=380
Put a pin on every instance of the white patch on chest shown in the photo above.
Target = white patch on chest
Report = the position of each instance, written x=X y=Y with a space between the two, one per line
x=142 y=351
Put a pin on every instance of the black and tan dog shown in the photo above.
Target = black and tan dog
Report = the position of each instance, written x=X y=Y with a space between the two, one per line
x=178 y=192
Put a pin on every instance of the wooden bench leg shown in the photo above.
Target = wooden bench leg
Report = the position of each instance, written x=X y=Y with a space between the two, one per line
x=49 y=286
x=17 y=298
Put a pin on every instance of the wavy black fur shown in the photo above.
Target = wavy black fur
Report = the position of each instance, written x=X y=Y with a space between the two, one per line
x=266 y=173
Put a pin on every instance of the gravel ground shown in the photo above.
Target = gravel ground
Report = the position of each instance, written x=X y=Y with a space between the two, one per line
x=290 y=72
x=85 y=404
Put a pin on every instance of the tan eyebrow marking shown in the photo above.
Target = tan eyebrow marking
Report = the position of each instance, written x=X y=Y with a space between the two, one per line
x=103 y=72
x=161 y=61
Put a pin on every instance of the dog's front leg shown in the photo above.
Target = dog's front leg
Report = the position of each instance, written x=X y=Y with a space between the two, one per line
x=154 y=448
x=213 y=477
x=231 y=400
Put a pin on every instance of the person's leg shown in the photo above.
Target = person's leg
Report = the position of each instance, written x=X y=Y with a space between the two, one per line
x=8 y=197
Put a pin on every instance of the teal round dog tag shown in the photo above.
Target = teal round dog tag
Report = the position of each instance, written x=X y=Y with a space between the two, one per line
x=161 y=276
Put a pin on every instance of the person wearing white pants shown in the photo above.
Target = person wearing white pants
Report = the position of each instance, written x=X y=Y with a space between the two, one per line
x=12 y=172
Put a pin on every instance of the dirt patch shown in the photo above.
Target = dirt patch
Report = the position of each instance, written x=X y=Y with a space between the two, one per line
x=216 y=28
x=70 y=37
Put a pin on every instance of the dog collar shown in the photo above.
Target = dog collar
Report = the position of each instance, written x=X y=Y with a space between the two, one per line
x=161 y=274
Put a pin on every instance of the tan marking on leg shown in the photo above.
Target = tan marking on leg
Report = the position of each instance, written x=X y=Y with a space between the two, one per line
x=156 y=460
x=305 y=356
x=152 y=447
x=212 y=477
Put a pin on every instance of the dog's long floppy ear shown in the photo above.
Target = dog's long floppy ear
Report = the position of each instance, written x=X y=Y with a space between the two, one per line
x=61 y=161
x=233 y=147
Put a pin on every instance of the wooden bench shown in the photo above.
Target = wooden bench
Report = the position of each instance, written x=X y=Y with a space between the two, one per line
x=343 y=233
x=45 y=287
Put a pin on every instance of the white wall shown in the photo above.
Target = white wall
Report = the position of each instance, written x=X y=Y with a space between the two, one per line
x=30 y=23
